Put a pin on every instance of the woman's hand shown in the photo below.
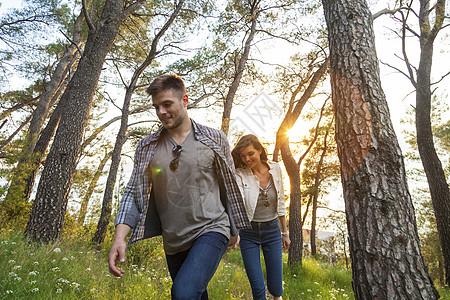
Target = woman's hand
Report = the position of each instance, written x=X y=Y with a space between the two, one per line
x=285 y=241
x=233 y=242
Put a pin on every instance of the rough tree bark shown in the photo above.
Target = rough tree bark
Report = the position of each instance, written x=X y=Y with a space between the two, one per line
x=49 y=208
x=384 y=244
x=105 y=214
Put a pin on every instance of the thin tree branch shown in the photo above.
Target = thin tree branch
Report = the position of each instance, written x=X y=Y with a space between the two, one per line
x=5 y=143
x=131 y=9
x=386 y=11
x=87 y=16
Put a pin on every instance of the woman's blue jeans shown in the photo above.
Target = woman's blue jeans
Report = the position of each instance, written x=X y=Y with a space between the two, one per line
x=191 y=270
x=264 y=235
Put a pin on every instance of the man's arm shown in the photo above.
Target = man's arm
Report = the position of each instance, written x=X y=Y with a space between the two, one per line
x=118 y=248
x=234 y=238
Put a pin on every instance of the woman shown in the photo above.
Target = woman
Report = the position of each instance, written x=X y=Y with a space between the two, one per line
x=262 y=187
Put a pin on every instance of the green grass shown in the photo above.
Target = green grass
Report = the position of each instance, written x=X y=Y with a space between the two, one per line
x=71 y=269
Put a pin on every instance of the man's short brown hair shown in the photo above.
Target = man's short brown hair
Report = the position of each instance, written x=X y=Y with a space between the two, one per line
x=167 y=82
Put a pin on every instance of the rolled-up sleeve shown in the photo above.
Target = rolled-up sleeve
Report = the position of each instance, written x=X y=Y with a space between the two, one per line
x=238 y=210
x=128 y=210
x=281 y=205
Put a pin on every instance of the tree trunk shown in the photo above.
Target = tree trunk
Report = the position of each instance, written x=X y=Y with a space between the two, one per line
x=44 y=140
x=295 y=208
x=238 y=75
x=49 y=208
x=16 y=195
x=384 y=244
x=317 y=181
x=293 y=167
x=440 y=192
x=84 y=203
x=313 y=225
x=105 y=215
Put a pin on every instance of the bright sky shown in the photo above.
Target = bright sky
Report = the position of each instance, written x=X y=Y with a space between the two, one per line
x=5 y=4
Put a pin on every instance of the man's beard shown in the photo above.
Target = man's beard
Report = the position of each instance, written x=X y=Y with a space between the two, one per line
x=177 y=123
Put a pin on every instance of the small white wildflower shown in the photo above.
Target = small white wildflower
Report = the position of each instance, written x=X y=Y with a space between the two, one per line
x=94 y=290
x=58 y=291
x=12 y=261
x=107 y=275
x=33 y=273
x=35 y=290
x=17 y=267
x=57 y=250
x=295 y=275
x=12 y=274
x=33 y=282
x=88 y=269
x=36 y=263
x=72 y=257
x=345 y=295
x=17 y=279
x=65 y=258
x=316 y=282
x=62 y=280
x=9 y=292
x=75 y=284
x=309 y=290
x=55 y=269
x=13 y=243
x=53 y=260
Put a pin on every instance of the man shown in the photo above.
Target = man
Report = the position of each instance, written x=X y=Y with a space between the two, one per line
x=183 y=186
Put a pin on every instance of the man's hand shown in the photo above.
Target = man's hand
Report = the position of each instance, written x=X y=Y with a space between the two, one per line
x=233 y=242
x=118 y=248
x=116 y=254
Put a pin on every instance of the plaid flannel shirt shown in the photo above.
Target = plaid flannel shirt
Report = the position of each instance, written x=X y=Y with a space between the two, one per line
x=137 y=207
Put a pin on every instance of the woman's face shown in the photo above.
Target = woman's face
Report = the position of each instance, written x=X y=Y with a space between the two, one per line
x=250 y=156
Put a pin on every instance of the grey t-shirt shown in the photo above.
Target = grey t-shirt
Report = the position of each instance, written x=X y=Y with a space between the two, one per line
x=266 y=206
x=188 y=198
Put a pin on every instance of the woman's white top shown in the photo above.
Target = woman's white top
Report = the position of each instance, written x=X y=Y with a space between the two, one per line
x=249 y=186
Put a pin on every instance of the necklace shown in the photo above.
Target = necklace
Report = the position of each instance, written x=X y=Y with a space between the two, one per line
x=263 y=193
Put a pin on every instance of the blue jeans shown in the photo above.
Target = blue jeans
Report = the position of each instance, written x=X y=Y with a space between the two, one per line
x=265 y=235
x=191 y=270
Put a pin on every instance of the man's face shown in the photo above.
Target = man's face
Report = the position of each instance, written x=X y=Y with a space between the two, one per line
x=170 y=108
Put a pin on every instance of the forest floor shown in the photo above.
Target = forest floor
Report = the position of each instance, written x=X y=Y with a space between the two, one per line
x=71 y=269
